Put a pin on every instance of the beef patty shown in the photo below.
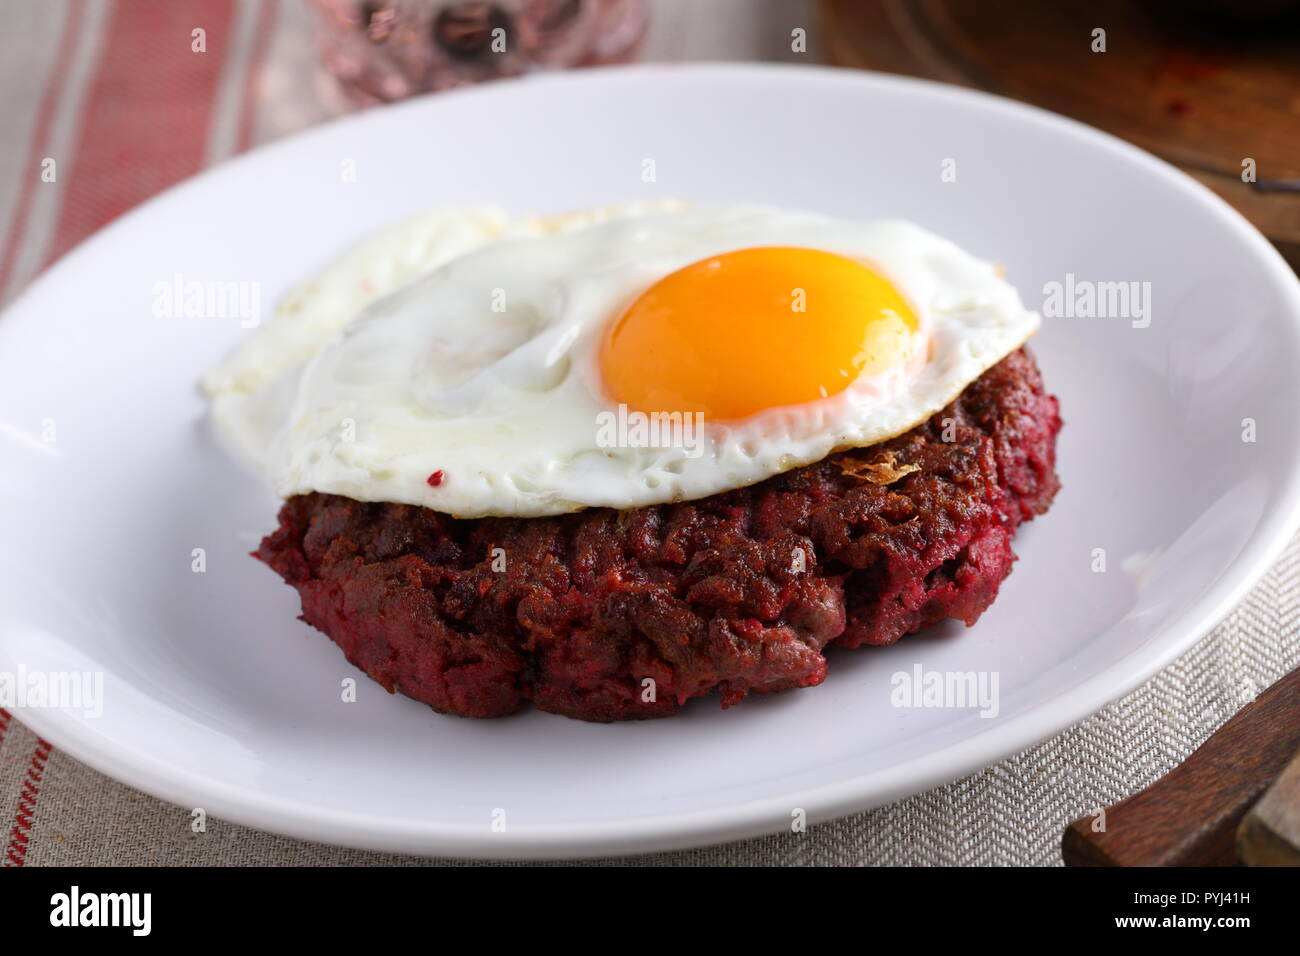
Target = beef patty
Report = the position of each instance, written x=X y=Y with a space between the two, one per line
x=617 y=615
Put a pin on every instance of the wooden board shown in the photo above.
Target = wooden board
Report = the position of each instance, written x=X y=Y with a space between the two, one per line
x=1270 y=834
x=1203 y=84
x=1189 y=817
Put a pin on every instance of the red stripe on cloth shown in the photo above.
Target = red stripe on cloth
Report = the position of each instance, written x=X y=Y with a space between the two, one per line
x=40 y=135
x=16 y=853
x=261 y=46
x=148 y=110
x=4 y=723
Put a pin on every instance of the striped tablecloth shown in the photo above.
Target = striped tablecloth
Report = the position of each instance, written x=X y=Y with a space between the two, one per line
x=112 y=93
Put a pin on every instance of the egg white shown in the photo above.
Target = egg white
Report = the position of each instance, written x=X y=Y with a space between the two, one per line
x=252 y=388
x=484 y=369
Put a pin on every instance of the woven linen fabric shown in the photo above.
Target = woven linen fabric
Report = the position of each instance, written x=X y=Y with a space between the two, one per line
x=1011 y=813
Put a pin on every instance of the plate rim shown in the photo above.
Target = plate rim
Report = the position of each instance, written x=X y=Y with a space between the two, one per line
x=250 y=806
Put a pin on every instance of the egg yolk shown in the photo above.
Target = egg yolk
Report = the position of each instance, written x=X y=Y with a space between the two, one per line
x=737 y=333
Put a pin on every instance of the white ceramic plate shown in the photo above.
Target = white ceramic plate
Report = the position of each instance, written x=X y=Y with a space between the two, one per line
x=216 y=697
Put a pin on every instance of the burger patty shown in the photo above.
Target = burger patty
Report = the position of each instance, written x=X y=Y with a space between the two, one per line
x=617 y=615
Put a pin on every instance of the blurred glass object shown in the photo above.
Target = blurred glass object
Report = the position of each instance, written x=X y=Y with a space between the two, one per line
x=382 y=50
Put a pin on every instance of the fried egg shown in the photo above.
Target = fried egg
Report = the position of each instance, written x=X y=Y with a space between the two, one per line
x=612 y=359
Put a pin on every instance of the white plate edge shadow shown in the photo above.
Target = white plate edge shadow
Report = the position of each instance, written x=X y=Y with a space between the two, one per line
x=250 y=807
